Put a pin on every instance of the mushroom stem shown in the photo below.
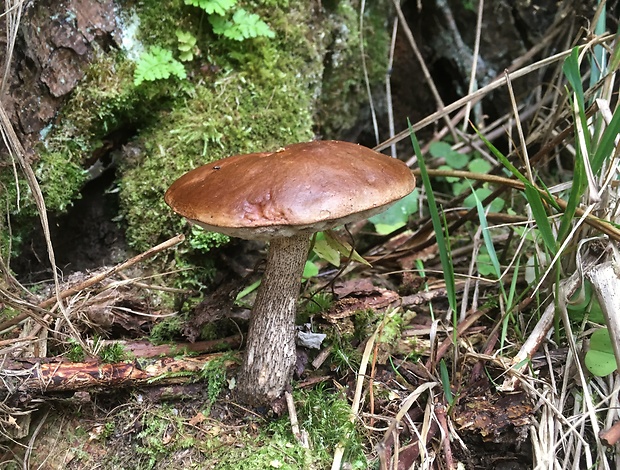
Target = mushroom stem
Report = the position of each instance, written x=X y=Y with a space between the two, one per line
x=270 y=349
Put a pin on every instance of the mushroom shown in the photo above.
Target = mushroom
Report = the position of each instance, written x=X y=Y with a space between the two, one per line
x=283 y=197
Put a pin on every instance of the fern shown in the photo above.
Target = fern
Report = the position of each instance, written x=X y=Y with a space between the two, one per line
x=218 y=7
x=187 y=43
x=244 y=25
x=157 y=64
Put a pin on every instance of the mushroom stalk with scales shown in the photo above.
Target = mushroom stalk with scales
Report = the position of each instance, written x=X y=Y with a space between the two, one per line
x=283 y=197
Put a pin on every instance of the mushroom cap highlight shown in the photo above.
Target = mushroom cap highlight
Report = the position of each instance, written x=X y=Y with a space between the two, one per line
x=301 y=188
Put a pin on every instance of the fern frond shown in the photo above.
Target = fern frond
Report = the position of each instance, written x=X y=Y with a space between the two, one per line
x=157 y=64
x=219 y=7
x=250 y=25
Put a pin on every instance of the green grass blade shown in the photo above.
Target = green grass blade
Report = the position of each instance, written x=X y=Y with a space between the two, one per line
x=513 y=284
x=442 y=242
x=486 y=235
x=540 y=216
x=445 y=382
x=578 y=187
x=607 y=143
x=504 y=161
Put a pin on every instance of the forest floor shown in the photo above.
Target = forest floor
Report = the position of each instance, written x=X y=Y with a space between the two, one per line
x=478 y=328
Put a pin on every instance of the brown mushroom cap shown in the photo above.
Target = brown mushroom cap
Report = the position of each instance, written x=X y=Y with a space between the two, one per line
x=306 y=187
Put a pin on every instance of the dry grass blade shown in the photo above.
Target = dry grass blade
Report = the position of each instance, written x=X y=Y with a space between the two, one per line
x=357 y=397
x=93 y=280
x=478 y=94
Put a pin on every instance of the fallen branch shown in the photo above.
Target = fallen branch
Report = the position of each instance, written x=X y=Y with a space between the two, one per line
x=41 y=377
x=146 y=349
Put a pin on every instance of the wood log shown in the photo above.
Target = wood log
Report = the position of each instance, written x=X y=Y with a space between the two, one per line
x=38 y=378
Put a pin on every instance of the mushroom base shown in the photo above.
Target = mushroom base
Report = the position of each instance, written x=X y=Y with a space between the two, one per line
x=270 y=350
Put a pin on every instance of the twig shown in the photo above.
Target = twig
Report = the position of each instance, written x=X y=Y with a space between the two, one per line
x=96 y=279
x=388 y=87
x=440 y=412
x=499 y=82
x=301 y=436
x=473 y=84
x=611 y=436
x=373 y=113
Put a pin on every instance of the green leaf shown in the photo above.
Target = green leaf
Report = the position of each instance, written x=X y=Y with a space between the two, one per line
x=219 y=7
x=248 y=290
x=540 y=215
x=449 y=179
x=454 y=159
x=343 y=247
x=580 y=300
x=186 y=40
x=439 y=149
x=459 y=188
x=484 y=264
x=221 y=25
x=397 y=215
x=600 y=359
x=445 y=382
x=310 y=270
x=157 y=64
x=250 y=25
x=479 y=165
x=187 y=43
x=607 y=143
x=595 y=315
x=186 y=56
x=325 y=251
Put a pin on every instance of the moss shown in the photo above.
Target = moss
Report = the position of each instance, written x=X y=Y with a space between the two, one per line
x=257 y=94
x=167 y=330
x=261 y=98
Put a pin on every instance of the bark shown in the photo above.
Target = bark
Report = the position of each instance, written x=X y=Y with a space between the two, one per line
x=270 y=352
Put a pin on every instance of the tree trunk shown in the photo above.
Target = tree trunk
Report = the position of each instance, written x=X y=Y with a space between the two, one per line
x=270 y=352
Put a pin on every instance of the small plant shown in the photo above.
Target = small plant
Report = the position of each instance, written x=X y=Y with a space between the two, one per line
x=600 y=359
x=157 y=64
x=166 y=330
x=186 y=46
x=241 y=25
x=76 y=352
x=113 y=353
x=397 y=215
x=318 y=303
x=214 y=373
x=204 y=241
x=344 y=356
x=455 y=160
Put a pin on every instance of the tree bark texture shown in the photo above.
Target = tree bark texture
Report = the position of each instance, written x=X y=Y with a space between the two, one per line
x=270 y=351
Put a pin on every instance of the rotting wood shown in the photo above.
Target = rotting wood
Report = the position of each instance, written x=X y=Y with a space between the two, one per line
x=40 y=377
x=146 y=349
